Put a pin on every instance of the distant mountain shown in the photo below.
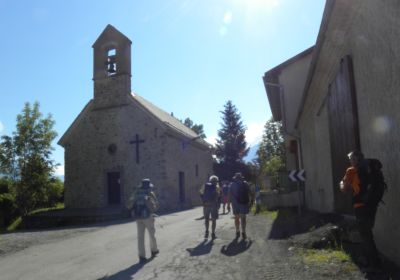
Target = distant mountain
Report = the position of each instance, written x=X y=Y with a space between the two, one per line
x=252 y=153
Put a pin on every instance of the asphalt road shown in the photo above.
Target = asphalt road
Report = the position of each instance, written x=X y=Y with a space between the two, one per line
x=110 y=252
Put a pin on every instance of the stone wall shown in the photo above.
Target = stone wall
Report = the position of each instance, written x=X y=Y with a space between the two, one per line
x=183 y=156
x=369 y=31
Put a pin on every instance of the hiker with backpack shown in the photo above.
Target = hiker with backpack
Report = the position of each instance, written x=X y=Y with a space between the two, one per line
x=365 y=180
x=210 y=195
x=225 y=197
x=144 y=204
x=240 y=199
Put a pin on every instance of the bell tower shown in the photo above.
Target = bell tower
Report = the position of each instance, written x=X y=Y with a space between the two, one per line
x=111 y=68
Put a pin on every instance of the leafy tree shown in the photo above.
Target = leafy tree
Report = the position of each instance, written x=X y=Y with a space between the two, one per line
x=231 y=146
x=198 y=128
x=7 y=157
x=271 y=153
x=272 y=143
x=26 y=158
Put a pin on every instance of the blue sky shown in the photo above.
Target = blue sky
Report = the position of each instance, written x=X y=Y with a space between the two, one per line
x=188 y=56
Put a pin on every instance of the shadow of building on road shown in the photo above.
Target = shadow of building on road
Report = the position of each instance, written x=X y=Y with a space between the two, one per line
x=314 y=230
x=124 y=274
x=234 y=248
x=202 y=249
x=288 y=222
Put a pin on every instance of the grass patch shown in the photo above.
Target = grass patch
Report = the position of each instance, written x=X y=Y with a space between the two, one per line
x=14 y=225
x=17 y=222
x=265 y=212
x=58 y=206
x=318 y=257
x=326 y=257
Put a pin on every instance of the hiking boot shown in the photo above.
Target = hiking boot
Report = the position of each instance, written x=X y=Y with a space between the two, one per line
x=213 y=236
x=237 y=235
x=244 y=236
x=206 y=235
x=155 y=253
x=142 y=260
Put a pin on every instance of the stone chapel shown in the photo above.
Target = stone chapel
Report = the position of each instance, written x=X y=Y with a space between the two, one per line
x=119 y=138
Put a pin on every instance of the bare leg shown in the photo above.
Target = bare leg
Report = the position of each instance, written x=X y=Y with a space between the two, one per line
x=213 y=225
x=237 y=224
x=243 y=220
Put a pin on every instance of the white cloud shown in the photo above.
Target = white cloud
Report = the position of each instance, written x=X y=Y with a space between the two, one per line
x=254 y=133
x=1 y=127
x=59 y=170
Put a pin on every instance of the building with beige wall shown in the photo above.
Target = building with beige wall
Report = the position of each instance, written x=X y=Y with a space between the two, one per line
x=284 y=85
x=350 y=101
x=120 y=138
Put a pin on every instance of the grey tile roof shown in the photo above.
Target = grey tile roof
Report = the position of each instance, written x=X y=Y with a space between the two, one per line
x=163 y=116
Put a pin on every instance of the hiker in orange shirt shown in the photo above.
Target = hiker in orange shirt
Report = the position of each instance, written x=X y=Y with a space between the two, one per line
x=356 y=180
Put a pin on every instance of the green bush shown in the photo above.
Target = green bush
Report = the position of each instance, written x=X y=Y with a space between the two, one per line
x=8 y=207
x=55 y=192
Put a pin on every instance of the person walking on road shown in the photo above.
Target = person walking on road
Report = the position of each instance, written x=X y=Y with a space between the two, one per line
x=240 y=199
x=257 y=199
x=357 y=179
x=144 y=204
x=211 y=197
x=226 y=204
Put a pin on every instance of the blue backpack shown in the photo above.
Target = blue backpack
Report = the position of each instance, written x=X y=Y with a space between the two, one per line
x=140 y=207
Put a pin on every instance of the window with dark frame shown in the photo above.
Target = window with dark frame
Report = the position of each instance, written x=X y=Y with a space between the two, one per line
x=197 y=170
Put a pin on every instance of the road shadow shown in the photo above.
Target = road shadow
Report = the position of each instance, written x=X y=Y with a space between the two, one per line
x=389 y=269
x=202 y=249
x=235 y=247
x=288 y=222
x=125 y=274
x=314 y=230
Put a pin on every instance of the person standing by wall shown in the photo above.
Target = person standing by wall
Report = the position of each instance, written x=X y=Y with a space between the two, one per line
x=144 y=205
x=357 y=180
x=240 y=199
x=211 y=197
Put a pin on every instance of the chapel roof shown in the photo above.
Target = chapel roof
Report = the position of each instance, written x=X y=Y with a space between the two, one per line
x=167 y=119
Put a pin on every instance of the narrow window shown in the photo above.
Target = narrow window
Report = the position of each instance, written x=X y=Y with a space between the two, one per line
x=111 y=62
x=197 y=170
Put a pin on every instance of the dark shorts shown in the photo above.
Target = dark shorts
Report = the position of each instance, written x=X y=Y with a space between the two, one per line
x=240 y=208
x=210 y=211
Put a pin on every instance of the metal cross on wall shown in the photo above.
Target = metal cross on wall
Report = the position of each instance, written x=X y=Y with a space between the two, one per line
x=137 y=142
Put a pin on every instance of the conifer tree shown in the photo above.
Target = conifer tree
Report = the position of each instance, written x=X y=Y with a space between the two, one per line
x=231 y=146
x=198 y=128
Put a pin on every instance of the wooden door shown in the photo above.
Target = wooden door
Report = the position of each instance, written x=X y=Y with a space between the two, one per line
x=343 y=128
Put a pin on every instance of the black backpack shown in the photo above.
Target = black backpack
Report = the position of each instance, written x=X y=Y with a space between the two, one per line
x=210 y=193
x=243 y=193
x=376 y=185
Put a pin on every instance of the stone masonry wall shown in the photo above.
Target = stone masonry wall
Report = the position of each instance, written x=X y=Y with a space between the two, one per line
x=369 y=31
